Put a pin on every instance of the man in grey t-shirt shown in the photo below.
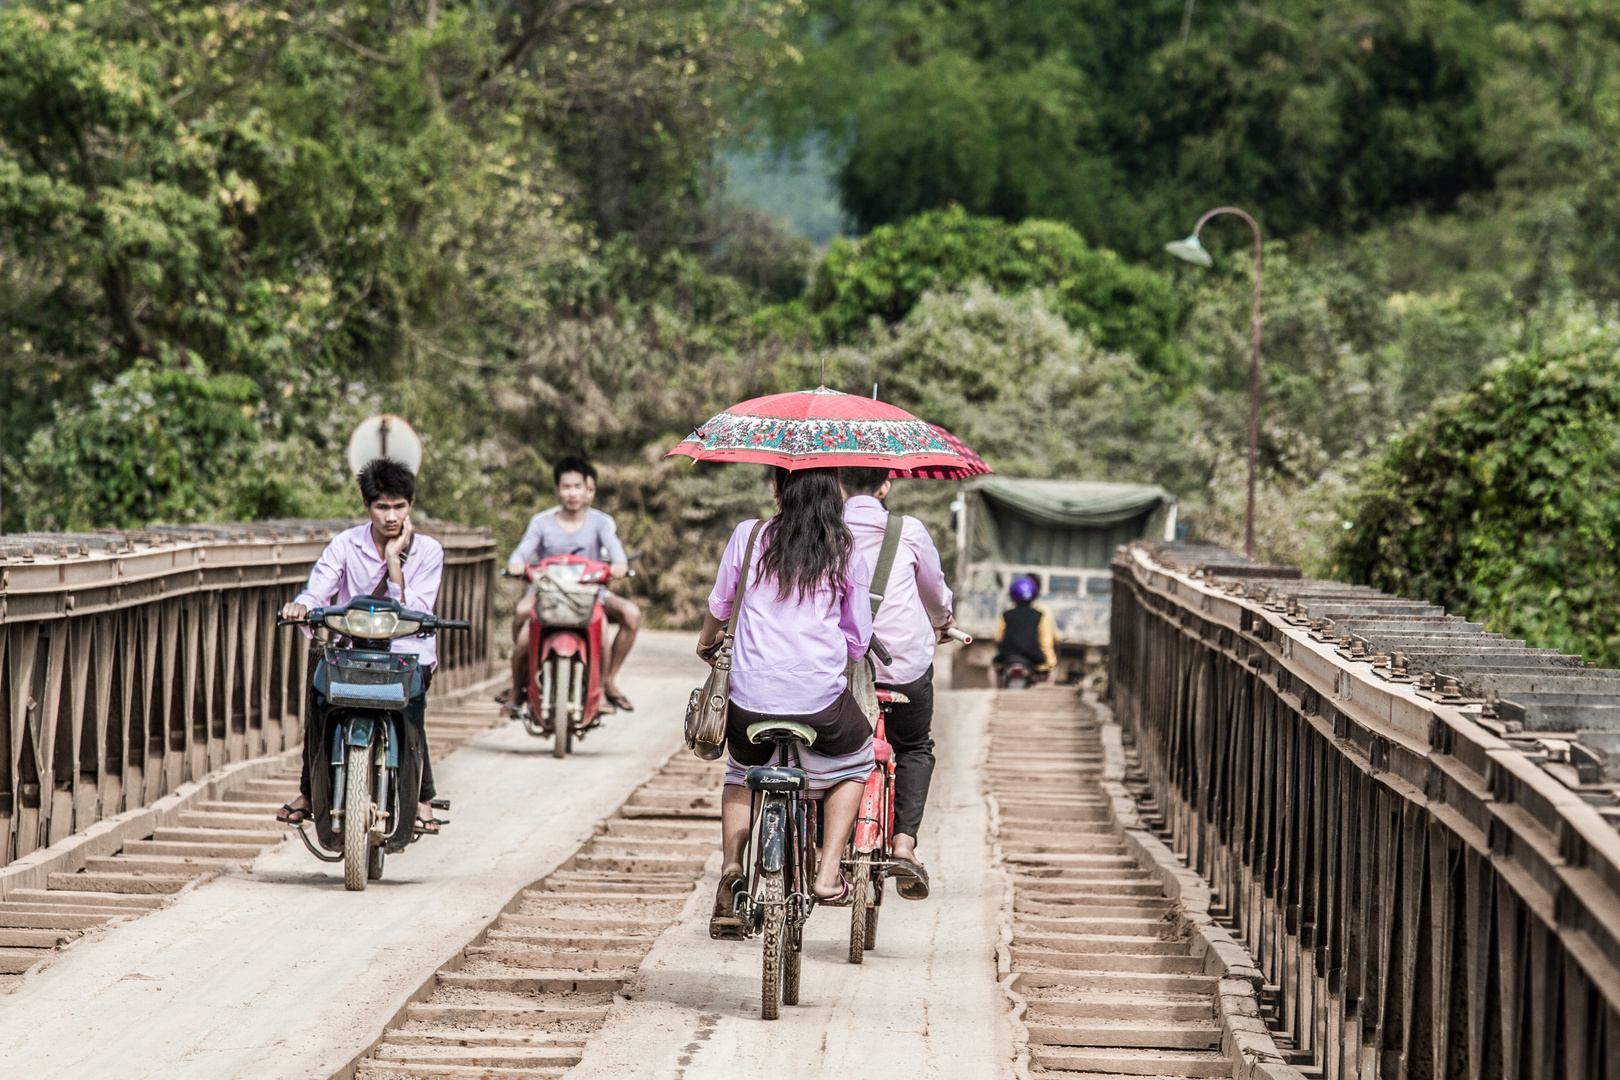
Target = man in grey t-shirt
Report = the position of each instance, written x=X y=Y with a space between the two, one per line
x=572 y=527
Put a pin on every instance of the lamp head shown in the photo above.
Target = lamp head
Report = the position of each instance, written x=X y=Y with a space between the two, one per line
x=1191 y=250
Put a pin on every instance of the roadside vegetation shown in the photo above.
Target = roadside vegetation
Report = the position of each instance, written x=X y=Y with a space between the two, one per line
x=229 y=231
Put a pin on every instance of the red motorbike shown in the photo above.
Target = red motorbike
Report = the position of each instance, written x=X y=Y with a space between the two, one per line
x=565 y=650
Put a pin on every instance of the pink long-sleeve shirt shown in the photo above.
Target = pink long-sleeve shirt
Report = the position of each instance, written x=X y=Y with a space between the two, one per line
x=916 y=602
x=790 y=655
x=350 y=566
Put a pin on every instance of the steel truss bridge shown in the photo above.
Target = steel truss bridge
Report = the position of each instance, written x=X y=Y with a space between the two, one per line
x=1410 y=821
x=134 y=662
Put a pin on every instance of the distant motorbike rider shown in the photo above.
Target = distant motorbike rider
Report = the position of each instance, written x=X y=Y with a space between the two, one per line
x=383 y=558
x=915 y=614
x=1026 y=631
x=572 y=527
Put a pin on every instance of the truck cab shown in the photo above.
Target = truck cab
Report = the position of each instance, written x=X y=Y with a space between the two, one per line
x=1063 y=534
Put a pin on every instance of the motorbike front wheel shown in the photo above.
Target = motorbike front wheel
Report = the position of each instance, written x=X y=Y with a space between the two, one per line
x=357 y=820
x=562 y=673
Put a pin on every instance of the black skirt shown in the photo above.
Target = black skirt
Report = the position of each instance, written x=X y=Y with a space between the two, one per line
x=841 y=728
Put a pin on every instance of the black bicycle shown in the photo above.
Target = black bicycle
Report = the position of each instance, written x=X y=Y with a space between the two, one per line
x=781 y=858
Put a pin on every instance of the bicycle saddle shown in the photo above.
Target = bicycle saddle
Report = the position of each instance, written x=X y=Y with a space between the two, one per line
x=779 y=729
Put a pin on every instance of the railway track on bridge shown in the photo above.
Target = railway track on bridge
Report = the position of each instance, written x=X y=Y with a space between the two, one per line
x=209 y=837
x=524 y=998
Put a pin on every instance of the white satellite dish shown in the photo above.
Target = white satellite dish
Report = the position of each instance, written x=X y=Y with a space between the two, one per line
x=385 y=436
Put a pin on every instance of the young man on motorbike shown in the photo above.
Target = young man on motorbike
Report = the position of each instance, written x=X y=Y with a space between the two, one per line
x=572 y=527
x=1026 y=632
x=913 y=618
x=383 y=558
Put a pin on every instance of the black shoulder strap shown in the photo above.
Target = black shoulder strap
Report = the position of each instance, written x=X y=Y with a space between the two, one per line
x=885 y=563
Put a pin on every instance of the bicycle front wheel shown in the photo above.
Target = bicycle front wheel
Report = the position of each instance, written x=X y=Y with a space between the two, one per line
x=775 y=934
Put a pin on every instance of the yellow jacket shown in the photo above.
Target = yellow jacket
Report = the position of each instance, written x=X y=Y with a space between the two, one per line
x=1046 y=634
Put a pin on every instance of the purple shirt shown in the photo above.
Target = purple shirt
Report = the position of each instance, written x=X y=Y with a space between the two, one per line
x=916 y=600
x=790 y=655
x=350 y=567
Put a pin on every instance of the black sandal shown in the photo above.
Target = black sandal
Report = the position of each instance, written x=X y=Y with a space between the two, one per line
x=619 y=701
x=429 y=826
x=724 y=924
x=910 y=878
x=285 y=816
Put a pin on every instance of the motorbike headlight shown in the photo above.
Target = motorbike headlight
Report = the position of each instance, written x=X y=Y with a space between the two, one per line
x=335 y=621
x=371 y=624
x=405 y=628
x=567 y=573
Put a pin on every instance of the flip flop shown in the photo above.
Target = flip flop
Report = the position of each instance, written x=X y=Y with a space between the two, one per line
x=910 y=879
x=285 y=815
x=843 y=898
x=620 y=702
x=430 y=826
x=724 y=924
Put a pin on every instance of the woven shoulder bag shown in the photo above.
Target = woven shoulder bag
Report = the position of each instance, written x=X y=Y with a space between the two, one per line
x=706 y=709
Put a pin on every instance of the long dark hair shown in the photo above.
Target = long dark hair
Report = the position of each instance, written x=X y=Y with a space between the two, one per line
x=809 y=543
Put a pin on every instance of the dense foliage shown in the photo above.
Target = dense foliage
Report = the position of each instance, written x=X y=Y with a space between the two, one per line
x=229 y=231
x=1505 y=502
x=882 y=277
x=154 y=445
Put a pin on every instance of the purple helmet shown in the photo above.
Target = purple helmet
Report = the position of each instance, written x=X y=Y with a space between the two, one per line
x=1024 y=589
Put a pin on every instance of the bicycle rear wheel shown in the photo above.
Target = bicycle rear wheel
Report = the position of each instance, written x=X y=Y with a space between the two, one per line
x=860 y=872
x=775 y=935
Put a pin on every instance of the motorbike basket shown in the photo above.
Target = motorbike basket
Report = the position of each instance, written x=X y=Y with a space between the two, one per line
x=559 y=604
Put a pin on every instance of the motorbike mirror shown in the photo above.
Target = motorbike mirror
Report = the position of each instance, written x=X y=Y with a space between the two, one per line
x=385 y=436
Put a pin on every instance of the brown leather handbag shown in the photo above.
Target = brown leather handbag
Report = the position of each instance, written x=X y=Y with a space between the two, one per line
x=706 y=709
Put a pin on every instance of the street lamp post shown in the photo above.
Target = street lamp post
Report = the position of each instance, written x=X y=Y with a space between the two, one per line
x=1192 y=250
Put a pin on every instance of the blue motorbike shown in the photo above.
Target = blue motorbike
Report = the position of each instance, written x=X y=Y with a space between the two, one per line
x=366 y=706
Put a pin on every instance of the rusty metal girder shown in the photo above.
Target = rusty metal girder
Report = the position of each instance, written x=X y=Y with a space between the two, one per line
x=131 y=663
x=1429 y=891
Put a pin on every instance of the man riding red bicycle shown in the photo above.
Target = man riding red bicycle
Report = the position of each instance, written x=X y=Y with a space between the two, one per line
x=914 y=615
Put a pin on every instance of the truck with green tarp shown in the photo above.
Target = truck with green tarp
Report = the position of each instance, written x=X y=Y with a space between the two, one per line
x=1063 y=534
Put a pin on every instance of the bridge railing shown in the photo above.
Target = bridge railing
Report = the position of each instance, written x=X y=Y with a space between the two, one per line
x=133 y=662
x=1408 y=819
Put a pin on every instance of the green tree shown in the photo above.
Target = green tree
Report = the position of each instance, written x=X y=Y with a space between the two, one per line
x=153 y=445
x=1126 y=121
x=1504 y=504
x=884 y=274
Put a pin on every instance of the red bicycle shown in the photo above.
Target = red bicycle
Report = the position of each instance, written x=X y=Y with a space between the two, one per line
x=871 y=849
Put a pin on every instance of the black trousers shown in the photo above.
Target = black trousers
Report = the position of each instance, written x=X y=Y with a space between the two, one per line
x=909 y=730
x=311 y=749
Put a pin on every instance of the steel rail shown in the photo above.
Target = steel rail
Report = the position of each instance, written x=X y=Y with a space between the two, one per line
x=131 y=663
x=1429 y=879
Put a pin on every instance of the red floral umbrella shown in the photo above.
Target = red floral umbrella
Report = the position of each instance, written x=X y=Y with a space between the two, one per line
x=972 y=464
x=822 y=428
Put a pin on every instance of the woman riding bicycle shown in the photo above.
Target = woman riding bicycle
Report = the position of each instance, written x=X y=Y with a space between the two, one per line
x=805 y=614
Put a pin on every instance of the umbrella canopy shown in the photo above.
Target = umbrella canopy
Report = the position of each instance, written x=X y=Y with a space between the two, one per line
x=821 y=429
x=972 y=464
